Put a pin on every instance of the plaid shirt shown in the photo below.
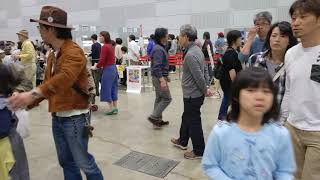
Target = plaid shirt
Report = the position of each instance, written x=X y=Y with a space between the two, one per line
x=259 y=60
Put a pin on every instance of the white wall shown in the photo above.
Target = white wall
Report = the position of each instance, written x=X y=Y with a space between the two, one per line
x=207 y=15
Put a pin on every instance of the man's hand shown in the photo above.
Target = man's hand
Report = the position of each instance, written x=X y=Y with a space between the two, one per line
x=15 y=57
x=209 y=93
x=163 y=84
x=253 y=32
x=20 y=100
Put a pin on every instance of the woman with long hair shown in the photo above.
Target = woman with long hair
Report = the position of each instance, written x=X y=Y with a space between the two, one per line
x=109 y=79
x=231 y=67
x=279 y=39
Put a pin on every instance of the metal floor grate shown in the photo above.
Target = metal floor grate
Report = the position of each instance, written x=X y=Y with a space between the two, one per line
x=148 y=164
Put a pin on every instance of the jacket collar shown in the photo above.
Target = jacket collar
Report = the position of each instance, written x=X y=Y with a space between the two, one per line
x=3 y=103
x=64 y=46
x=161 y=45
x=189 y=46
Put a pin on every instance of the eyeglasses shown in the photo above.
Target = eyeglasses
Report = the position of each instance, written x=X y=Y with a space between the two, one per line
x=262 y=24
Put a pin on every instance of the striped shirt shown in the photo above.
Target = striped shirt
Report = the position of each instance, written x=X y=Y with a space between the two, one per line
x=262 y=60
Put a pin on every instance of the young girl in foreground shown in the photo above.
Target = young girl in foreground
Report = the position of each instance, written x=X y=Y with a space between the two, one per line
x=250 y=146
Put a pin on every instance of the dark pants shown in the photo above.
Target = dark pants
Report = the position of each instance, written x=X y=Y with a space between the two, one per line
x=172 y=68
x=96 y=74
x=224 y=104
x=72 y=148
x=191 y=126
x=210 y=71
x=20 y=170
x=124 y=79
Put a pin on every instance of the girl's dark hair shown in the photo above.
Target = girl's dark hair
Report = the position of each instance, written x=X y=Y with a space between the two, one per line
x=308 y=6
x=286 y=30
x=113 y=43
x=232 y=37
x=206 y=35
x=124 y=49
x=159 y=34
x=171 y=36
x=8 y=80
x=132 y=37
x=118 y=41
x=106 y=36
x=253 y=77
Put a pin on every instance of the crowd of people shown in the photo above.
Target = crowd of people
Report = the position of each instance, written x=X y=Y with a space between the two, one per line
x=268 y=124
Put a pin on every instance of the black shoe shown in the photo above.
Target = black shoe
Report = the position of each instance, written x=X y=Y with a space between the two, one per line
x=164 y=123
x=156 y=122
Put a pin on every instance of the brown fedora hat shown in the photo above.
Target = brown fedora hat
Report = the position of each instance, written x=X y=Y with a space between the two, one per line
x=23 y=33
x=53 y=16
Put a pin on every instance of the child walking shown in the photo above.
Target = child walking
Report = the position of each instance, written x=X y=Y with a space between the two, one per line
x=13 y=159
x=250 y=144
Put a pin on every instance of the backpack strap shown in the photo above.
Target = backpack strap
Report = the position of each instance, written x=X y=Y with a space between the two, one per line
x=279 y=73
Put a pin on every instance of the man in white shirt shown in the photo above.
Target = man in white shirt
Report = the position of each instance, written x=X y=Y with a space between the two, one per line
x=301 y=103
x=134 y=51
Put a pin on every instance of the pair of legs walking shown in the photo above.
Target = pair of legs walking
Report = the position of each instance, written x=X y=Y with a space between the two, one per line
x=72 y=148
x=162 y=101
x=191 y=126
x=109 y=88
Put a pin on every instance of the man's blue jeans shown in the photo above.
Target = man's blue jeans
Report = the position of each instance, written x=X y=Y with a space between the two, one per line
x=72 y=148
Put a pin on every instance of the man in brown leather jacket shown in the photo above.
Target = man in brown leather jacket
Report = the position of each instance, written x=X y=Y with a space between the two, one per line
x=66 y=69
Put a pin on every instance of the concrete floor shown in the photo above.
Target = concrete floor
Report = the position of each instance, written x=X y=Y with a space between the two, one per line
x=115 y=136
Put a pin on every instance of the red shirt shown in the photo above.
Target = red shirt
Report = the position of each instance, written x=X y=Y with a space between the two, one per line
x=106 y=56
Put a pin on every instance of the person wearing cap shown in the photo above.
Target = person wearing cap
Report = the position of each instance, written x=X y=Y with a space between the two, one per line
x=64 y=86
x=27 y=56
x=262 y=23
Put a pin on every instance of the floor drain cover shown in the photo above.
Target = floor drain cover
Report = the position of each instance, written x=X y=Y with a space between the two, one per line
x=148 y=164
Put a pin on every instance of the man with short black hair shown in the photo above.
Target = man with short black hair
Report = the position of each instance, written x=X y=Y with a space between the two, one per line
x=160 y=72
x=95 y=55
x=95 y=49
x=65 y=84
x=301 y=102
x=195 y=81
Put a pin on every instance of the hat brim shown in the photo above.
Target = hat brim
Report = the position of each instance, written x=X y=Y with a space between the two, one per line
x=21 y=34
x=51 y=24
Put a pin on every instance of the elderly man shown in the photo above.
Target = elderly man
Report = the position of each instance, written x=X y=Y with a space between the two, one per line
x=66 y=81
x=262 y=23
x=27 y=56
x=194 y=86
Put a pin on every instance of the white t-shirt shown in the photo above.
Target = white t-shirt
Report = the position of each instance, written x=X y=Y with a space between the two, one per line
x=301 y=102
x=133 y=50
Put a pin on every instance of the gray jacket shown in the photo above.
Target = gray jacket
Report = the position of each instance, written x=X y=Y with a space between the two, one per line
x=195 y=76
